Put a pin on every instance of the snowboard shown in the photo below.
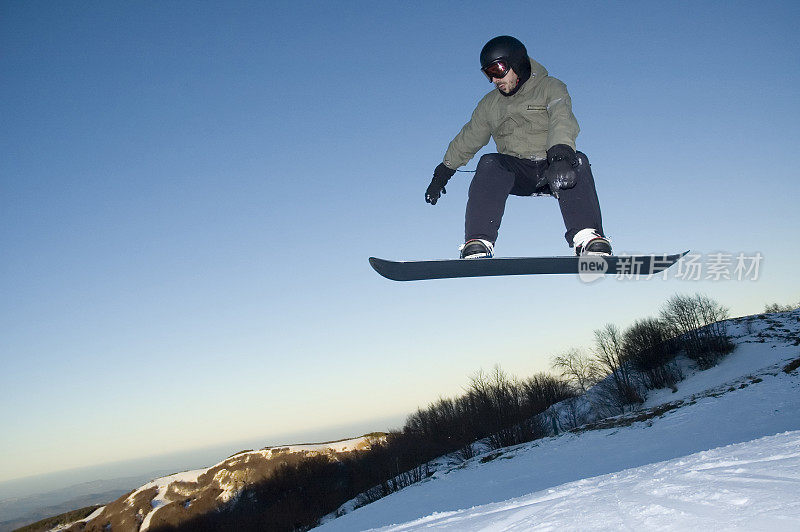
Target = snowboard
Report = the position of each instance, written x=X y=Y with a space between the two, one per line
x=587 y=267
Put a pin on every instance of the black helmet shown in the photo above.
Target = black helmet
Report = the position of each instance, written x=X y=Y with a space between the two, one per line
x=510 y=49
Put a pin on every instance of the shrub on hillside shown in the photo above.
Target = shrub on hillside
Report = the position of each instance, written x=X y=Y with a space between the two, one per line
x=698 y=324
x=651 y=352
x=776 y=307
x=543 y=390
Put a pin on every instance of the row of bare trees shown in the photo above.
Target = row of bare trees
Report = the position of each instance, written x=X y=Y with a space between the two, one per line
x=623 y=364
x=778 y=307
x=495 y=406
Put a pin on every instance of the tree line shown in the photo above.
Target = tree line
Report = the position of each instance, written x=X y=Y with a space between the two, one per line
x=623 y=365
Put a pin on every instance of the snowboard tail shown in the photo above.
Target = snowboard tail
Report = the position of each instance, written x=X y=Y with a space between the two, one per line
x=633 y=265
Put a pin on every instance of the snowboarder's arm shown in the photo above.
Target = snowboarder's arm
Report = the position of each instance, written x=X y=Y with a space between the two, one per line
x=564 y=127
x=473 y=136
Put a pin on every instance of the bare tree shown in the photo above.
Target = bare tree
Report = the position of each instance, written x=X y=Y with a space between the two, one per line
x=578 y=368
x=501 y=406
x=611 y=358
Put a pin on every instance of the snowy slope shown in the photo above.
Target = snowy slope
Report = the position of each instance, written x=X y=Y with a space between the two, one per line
x=713 y=457
x=748 y=486
x=162 y=485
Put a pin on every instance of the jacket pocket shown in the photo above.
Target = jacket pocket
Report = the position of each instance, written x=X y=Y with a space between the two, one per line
x=505 y=128
x=536 y=117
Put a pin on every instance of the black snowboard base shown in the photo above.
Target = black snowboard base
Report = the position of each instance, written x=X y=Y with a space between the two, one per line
x=588 y=267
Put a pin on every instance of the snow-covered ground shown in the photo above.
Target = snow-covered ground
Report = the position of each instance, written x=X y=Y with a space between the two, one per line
x=340 y=446
x=163 y=485
x=749 y=485
x=728 y=457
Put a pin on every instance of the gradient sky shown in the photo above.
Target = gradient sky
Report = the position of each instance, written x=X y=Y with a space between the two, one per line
x=189 y=192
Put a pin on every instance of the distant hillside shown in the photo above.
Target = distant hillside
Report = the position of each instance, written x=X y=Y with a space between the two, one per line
x=22 y=510
x=177 y=498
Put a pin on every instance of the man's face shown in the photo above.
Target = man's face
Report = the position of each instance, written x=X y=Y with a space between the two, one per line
x=508 y=82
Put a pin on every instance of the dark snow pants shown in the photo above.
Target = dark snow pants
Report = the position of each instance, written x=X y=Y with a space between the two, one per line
x=499 y=175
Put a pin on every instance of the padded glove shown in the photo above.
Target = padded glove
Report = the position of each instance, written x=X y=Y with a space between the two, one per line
x=441 y=175
x=562 y=170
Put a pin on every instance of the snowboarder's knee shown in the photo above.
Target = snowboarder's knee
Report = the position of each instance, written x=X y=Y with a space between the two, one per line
x=488 y=160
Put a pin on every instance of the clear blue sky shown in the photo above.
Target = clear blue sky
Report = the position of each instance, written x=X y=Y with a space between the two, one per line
x=189 y=192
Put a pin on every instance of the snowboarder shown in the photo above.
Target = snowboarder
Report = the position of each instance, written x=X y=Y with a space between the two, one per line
x=529 y=115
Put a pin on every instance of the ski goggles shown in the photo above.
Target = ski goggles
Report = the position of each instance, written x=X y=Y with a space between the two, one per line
x=496 y=69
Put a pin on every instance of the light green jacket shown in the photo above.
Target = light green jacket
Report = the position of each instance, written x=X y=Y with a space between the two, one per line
x=524 y=125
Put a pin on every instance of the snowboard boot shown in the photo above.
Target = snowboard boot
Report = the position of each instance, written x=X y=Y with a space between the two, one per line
x=590 y=242
x=476 y=249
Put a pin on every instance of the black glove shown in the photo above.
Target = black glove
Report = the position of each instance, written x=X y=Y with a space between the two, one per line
x=441 y=175
x=562 y=171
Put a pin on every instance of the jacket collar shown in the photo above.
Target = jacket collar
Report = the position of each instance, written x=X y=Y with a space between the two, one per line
x=538 y=72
